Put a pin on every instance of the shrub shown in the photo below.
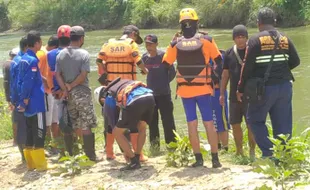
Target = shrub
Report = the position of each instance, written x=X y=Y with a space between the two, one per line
x=290 y=164
x=4 y=19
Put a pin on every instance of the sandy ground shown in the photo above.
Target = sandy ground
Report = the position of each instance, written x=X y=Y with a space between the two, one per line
x=106 y=175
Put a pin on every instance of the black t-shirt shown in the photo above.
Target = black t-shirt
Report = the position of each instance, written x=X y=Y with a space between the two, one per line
x=159 y=76
x=259 y=52
x=231 y=63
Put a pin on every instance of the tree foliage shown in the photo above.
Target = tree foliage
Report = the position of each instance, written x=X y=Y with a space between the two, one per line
x=95 y=14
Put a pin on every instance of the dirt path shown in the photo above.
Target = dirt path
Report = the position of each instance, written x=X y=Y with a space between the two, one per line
x=153 y=175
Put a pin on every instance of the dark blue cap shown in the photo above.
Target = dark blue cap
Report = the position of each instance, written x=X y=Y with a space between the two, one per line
x=151 y=38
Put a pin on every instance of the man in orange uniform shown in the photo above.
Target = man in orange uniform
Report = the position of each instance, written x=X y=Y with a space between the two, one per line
x=193 y=50
x=51 y=114
x=119 y=58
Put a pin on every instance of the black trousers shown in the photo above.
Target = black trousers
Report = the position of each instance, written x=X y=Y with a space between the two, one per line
x=36 y=130
x=165 y=106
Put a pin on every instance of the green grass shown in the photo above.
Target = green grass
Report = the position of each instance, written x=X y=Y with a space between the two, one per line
x=6 y=131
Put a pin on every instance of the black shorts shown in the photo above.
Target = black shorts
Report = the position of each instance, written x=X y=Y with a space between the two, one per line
x=237 y=110
x=36 y=130
x=140 y=110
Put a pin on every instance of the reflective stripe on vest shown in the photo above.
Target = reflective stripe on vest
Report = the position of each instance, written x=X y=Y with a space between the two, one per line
x=267 y=58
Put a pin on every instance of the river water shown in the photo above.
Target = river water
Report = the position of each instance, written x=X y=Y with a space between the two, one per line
x=300 y=37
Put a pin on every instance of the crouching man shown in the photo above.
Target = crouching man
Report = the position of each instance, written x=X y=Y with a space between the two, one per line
x=136 y=103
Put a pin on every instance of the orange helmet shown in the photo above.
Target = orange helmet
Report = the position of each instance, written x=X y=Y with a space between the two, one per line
x=188 y=14
x=64 y=31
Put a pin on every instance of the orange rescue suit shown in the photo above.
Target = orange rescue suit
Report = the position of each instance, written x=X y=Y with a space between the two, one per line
x=193 y=67
x=120 y=58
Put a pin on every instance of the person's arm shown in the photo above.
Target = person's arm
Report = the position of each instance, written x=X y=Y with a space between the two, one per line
x=225 y=78
x=136 y=56
x=42 y=56
x=170 y=55
x=142 y=67
x=60 y=81
x=248 y=67
x=101 y=60
x=223 y=86
x=29 y=73
x=80 y=79
x=44 y=80
x=293 y=60
x=59 y=78
x=215 y=55
x=172 y=72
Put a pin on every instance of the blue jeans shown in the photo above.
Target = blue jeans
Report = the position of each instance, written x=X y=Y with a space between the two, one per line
x=278 y=103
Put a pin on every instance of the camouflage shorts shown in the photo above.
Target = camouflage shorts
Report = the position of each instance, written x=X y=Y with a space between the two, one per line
x=81 y=109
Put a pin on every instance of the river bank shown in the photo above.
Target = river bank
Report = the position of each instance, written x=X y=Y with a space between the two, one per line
x=106 y=175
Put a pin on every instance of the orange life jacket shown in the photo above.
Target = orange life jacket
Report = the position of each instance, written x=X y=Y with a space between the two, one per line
x=119 y=61
x=121 y=90
x=192 y=69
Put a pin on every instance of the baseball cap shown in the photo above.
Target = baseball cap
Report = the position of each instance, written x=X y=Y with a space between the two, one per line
x=132 y=28
x=240 y=30
x=77 y=31
x=64 y=31
x=151 y=38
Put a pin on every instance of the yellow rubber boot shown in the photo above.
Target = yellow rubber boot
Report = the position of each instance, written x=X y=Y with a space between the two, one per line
x=38 y=157
x=134 y=143
x=28 y=158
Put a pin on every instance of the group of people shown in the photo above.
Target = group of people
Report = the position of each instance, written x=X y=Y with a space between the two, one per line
x=48 y=89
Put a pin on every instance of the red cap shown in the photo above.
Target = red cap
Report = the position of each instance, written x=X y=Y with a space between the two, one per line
x=64 y=31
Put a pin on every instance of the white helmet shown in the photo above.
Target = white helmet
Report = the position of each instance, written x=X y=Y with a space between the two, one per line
x=97 y=94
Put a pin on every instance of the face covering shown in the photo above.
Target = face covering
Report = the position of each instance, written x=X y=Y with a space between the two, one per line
x=189 y=28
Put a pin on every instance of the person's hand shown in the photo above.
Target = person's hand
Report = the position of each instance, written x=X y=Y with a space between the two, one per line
x=64 y=95
x=57 y=94
x=102 y=100
x=11 y=106
x=20 y=109
x=143 y=72
x=176 y=35
x=69 y=87
x=239 y=96
x=222 y=100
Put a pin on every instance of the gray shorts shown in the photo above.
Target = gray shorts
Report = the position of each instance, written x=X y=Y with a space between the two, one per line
x=237 y=111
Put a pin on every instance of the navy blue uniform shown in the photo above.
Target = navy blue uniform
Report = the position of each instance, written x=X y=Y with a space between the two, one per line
x=277 y=99
x=158 y=80
x=31 y=89
x=14 y=78
x=18 y=117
